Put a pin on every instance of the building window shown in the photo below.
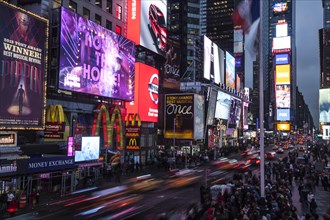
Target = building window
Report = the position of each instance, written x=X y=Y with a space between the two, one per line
x=118 y=29
x=109 y=6
x=73 y=6
x=118 y=12
x=98 y=3
x=98 y=19
x=108 y=24
x=86 y=13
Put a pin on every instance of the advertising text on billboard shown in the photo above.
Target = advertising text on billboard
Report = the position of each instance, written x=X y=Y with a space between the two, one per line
x=283 y=115
x=282 y=74
x=281 y=59
x=23 y=68
x=95 y=60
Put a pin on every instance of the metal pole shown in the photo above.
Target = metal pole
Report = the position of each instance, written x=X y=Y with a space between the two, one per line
x=261 y=105
x=174 y=133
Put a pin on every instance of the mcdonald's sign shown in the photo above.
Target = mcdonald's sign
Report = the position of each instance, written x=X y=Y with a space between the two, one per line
x=133 y=143
x=108 y=125
x=55 y=122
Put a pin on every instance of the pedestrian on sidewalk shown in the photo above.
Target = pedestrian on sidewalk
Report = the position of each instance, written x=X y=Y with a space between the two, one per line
x=313 y=206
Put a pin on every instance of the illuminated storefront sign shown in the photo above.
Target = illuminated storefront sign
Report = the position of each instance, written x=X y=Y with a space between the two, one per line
x=8 y=138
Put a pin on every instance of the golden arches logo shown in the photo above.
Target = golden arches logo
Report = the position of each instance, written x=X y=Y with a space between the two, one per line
x=132 y=142
x=132 y=118
x=55 y=114
x=117 y=113
x=103 y=116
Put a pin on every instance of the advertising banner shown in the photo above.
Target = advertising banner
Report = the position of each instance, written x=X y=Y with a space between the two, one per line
x=198 y=116
x=90 y=149
x=171 y=69
x=281 y=59
x=213 y=62
x=283 y=115
x=230 y=70
x=23 y=68
x=146 y=93
x=324 y=105
x=47 y=164
x=245 y=115
x=8 y=138
x=95 y=60
x=283 y=96
x=282 y=74
x=211 y=107
x=222 y=105
x=146 y=24
x=133 y=138
x=179 y=116
x=234 y=113
x=280 y=43
x=283 y=127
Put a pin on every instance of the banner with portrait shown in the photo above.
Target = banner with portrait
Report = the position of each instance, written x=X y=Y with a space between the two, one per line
x=23 y=68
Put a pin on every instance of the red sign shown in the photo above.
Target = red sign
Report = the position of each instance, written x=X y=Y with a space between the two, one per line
x=146 y=93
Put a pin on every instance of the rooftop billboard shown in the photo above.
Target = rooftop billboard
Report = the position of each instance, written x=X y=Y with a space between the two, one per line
x=23 y=55
x=95 y=60
x=146 y=24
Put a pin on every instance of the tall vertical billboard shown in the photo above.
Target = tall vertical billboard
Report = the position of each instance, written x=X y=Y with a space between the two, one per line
x=230 y=70
x=324 y=101
x=23 y=68
x=184 y=116
x=213 y=62
x=146 y=93
x=95 y=60
x=146 y=24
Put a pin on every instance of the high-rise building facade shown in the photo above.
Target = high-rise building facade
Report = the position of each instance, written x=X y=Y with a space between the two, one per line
x=324 y=93
x=281 y=74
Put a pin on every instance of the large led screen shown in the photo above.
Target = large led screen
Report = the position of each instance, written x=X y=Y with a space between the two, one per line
x=95 y=60
x=179 y=116
x=90 y=149
x=213 y=62
x=198 y=117
x=146 y=93
x=245 y=115
x=222 y=105
x=283 y=96
x=324 y=101
x=282 y=74
x=234 y=113
x=230 y=70
x=282 y=30
x=281 y=43
x=281 y=59
x=146 y=24
x=283 y=115
x=283 y=126
x=23 y=50
x=211 y=107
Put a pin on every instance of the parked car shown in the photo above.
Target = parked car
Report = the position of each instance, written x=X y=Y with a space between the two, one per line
x=157 y=25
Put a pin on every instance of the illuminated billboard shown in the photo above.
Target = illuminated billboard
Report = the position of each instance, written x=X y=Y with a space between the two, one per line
x=245 y=115
x=95 y=60
x=282 y=30
x=282 y=74
x=283 y=114
x=146 y=24
x=182 y=113
x=283 y=127
x=324 y=101
x=222 y=107
x=90 y=149
x=230 y=70
x=23 y=37
x=238 y=41
x=280 y=7
x=146 y=93
x=283 y=96
x=234 y=113
x=280 y=43
x=211 y=107
x=281 y=59
x=213 y=62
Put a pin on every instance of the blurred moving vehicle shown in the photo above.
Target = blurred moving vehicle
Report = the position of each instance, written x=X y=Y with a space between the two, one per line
x=275 y=147
x=270 y=155
x=229 y=165
x=280 y=151
x=216 y=177
x=157 y=25
x=183 y=178
x=253 y=161
x=143 y=183
x=242 y=166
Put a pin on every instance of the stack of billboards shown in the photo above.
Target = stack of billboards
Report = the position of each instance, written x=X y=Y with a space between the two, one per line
x=281 y=48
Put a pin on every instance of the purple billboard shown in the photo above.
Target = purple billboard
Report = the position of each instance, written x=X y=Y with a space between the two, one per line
x=95 y=60
x=23 y=37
